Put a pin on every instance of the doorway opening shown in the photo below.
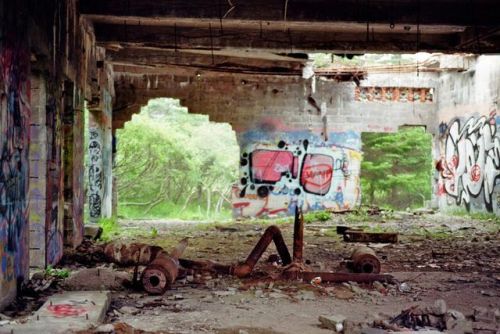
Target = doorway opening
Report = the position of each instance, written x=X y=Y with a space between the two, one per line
x=176 y=165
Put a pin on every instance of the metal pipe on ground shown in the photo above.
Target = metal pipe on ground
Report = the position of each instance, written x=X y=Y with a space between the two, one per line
x=364 y=260
x=161 y=273
x=131 y=253
x=209 y=266
x=272 y=233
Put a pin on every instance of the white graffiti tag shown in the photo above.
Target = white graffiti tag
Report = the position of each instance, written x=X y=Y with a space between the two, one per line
x=472 y=159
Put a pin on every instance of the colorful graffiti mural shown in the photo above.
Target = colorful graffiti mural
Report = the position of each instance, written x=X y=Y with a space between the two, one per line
x=471 y=163
x=393 y=94
x=282 y=170
x=14 y=173
x=95 y=173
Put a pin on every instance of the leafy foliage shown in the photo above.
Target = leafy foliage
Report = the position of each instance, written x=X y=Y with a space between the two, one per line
x=396 y=168
x=110 y=228
x=57 y=273
x=171 y=163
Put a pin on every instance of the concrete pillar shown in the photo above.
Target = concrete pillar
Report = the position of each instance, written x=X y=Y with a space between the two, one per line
x=100 y=159
x=73 y=128
x=38 y=172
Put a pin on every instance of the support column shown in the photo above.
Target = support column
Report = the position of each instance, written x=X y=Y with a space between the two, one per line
x=100 y=159
x=38 y=172
x=73 y=128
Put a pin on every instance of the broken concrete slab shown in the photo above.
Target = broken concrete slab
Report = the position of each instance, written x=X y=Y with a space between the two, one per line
x=62 y=313
x=91 y=279
x=335 y=322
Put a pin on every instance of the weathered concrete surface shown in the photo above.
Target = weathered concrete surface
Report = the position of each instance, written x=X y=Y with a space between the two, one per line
x=88 y=279
x=62 y=313
x=467 y=141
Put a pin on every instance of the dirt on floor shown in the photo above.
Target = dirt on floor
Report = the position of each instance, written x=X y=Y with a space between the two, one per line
x=437 y=257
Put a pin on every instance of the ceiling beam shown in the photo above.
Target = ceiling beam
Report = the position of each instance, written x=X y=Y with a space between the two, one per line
x=211 y=38
x=441 y=12
x=204 y=59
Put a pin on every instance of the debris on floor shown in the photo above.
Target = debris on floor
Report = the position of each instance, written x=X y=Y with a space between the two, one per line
x=63 y=313
x=205 y=298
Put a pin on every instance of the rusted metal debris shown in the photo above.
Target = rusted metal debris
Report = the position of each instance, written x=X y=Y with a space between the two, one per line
x=163 y=268
x=272 y=233
x=360 y=236
x=131 y=253
x=364 y=260
x=298 y=236
x=162 y=272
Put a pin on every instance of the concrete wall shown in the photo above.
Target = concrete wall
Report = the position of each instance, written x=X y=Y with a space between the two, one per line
x=15 y=112
x=44 y=78
x=273 y=118
x=467 y=141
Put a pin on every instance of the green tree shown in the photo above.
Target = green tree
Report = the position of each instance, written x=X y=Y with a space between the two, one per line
x=169 y=162
x=396 y=168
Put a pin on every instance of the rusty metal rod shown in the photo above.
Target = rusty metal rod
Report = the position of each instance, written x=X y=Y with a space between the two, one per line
x=298 y=236
x=272 y=233
x=206 y=266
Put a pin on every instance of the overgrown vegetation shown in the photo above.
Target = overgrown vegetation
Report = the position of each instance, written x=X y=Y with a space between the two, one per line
x=110 y=228
x=56 y=272
x=171 y=164
x=396 y=168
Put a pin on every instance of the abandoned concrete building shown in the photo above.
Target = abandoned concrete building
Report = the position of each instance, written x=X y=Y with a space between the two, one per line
x=244 y=63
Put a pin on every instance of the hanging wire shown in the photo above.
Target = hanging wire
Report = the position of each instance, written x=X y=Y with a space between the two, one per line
x=230 y=9
x=211 y=43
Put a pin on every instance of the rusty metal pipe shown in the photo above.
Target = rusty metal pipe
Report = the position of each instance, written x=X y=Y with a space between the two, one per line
x=364 y=260
x=127 y=254
x=206 y=266
x=161 y=273
x=298 y=236
x=272 y=233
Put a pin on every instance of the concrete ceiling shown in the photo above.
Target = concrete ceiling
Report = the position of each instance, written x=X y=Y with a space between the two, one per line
x=244 y=36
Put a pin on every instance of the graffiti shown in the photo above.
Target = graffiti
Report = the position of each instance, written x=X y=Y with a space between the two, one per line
x=471 y=163
x=78 y=177
x=14 y=174
x=54 y=202
x=282 y=170
x=66 y=310
x=95 y=174
x=393 y=94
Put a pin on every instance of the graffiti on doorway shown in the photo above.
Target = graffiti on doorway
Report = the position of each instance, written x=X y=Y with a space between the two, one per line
x=470 y=166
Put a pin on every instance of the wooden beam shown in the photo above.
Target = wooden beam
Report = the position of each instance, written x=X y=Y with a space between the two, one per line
x=442 y=12
x=278 y=41
x=149 y=56
x=218 y=26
